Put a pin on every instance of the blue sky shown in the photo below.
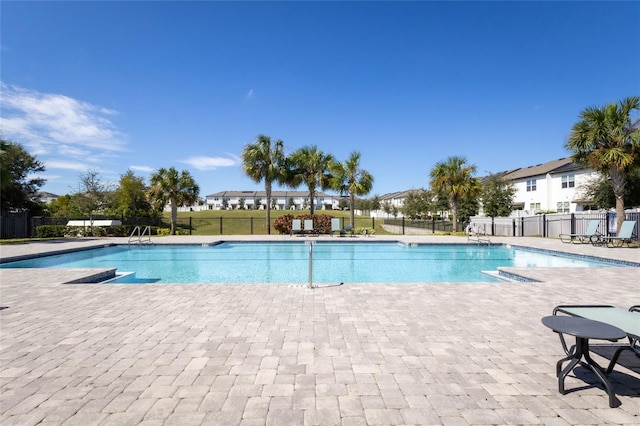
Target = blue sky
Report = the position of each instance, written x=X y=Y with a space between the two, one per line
x=112 y=86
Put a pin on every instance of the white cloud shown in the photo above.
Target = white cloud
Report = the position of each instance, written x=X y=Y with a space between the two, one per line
x=49 y=122
x=249 y=95
x=146 y=169
x=210 y=163
x=66 y=165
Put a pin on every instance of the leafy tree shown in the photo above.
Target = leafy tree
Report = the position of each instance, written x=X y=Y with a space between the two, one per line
x=311 y=166
x=65 y=206
x=169 y=186
x=454 y=179
x=18 y=187
x=241 y=202
x=130 y=198
x=349 y=178
x=375 y=202
x=599 y=190
x=416 y=204
x=497 y=196
x=608 y=140
x=93 y=194
x=469 y=206
x=263 y=160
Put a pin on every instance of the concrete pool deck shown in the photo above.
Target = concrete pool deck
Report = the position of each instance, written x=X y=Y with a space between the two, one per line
x=363 y=354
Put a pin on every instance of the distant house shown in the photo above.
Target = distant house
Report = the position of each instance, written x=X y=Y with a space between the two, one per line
x=47 y=197
x=552 y=186
x=280 y=200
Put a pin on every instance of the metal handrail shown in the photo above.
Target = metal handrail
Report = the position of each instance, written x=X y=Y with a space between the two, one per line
x=138 y=237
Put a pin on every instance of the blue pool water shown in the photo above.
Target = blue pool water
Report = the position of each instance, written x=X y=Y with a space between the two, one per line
x=289 y=262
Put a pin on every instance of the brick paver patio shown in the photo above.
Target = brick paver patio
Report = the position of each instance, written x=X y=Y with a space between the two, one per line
x=366 y=354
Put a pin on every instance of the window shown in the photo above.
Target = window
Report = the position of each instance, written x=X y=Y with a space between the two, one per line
x=568 y=181
x=531 y=185
x=563 y=207
x=534 y=206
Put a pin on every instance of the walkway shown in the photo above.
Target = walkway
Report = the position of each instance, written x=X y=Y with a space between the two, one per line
x=377 y=354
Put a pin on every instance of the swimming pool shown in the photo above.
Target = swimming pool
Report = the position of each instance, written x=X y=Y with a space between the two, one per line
x=249 y=263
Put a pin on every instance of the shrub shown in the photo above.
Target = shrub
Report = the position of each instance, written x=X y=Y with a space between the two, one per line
x=51 y=231
x=164 y=231
x=283 y=224
x=364 y=231
x=321 y=223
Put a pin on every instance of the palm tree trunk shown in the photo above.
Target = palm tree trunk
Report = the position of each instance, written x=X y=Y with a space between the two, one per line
x=312 y=194
x=352 y=217
x=267 y=189
x=174 y=216
x=617 y=182
x=454 y=213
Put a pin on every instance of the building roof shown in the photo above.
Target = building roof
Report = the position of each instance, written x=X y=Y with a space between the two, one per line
x=44 y=194
x=263 y=194
x=560 y=165
x=398 y=194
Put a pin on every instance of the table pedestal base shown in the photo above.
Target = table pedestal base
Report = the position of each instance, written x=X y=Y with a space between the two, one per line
x=582 y=350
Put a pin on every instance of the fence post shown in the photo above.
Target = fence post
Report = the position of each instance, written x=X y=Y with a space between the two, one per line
x=190 y=227
x=402 y=225
x=513 y=227
x=573 y=223
x=220 y=225
x=251 y=220
x=373 y=223
x=544 y=226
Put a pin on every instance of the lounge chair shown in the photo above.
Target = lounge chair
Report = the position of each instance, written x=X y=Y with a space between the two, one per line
x=308 y=227
x=592 y=231
x=296 y=226
x=624 y=236
x=626 y=320
x=347 y=230
x=335 y=226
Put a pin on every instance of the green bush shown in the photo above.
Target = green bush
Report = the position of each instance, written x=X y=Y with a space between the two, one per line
x=321 y=223
x=51 y=231
x=283 y=224
x=364 y=231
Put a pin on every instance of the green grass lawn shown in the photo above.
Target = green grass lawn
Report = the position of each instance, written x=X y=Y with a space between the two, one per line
x=252 y=222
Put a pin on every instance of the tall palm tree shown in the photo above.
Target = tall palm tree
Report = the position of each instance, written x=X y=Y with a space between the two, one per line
x=169 y=186
x=454 y=178
x=349 y=178
x=311 y=166
x=608 y=140
x=262 y=160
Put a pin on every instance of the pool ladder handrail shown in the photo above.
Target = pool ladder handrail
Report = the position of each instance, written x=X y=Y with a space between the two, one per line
x=138 y=237
x=477 y=235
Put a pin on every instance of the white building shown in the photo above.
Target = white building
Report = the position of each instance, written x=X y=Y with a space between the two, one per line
x=280 y=200
x=552 y=186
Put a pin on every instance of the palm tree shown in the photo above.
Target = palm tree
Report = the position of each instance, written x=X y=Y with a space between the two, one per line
x=261 y=160
x=607 y=140
x=311 y=166
x=454 y=178
x=167 y=185
x=349 y=178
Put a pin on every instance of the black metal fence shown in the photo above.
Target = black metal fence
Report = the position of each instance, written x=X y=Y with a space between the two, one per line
x=404 y=225
x=15 y=225
x=552 y=225
x=20 y=225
